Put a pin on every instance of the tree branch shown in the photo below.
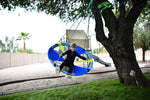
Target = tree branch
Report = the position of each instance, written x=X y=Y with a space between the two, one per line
x=122 y=9
x=110 y=19
x=100 y=35
x=135 y=11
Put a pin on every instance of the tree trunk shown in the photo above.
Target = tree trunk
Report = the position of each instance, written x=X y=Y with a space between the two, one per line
x=129 y=71
x=119 y=44
x=24 y=46
x=143 y=54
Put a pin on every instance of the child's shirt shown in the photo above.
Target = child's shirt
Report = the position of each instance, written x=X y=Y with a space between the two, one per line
x=71 y=56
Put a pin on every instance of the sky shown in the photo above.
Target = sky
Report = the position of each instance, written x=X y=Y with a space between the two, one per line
x=46 y=30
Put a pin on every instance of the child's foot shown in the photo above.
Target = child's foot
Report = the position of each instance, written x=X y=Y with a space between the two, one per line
x=68 y=76
x=57 y=70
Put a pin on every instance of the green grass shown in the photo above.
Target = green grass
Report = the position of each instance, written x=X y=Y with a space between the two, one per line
x=109 y=89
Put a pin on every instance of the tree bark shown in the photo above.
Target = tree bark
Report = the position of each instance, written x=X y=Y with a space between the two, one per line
x=119 y=44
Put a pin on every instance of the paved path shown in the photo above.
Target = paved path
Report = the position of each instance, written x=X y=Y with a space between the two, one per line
x=42 y=76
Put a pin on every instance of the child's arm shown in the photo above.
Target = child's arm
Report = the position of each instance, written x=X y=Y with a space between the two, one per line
x=63 y=54
x=82 y=57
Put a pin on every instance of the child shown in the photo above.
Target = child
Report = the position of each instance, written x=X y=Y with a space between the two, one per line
x=71 y=54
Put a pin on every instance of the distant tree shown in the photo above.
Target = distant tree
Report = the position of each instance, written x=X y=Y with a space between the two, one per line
x=141 y=39
x=39 y=53
x=30 y=51
x=100 y=49
x=24 y=36
x=9 y=45
x=20 y=50
x=1 y=45
x=144 y=18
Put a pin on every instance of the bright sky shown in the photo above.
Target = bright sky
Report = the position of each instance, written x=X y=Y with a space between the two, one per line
x=46 y=30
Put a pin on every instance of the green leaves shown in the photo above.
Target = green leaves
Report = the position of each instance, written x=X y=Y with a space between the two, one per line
x=23 y=36
x=64 y=9
x=141 y=38
x=9 y=45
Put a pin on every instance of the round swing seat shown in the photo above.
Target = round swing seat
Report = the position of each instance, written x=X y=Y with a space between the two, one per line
x=80 y=67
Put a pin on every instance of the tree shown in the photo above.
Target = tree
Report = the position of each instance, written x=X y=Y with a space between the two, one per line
x=100 y=49
x=141 y=30
x=119 y=44
x=23 y=36
x=30 y=51
x=142 y=40
x=9 y=45
x=12 y=4
x=1 y=45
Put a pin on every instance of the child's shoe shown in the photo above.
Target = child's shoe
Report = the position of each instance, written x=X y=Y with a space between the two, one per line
x=68 y=76
x=57 y=70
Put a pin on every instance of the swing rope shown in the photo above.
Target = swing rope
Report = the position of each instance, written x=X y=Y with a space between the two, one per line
x=83 y=13
x=87 y=38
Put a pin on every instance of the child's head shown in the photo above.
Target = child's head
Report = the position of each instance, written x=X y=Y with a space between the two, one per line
x=73 y=47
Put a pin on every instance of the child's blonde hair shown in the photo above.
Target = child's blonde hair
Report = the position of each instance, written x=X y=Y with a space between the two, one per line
x=73 y=45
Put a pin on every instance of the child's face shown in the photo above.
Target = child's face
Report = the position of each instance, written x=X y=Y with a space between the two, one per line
x=72 y=48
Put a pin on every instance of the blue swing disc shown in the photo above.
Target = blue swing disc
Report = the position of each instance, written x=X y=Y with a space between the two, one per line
x=80 y=67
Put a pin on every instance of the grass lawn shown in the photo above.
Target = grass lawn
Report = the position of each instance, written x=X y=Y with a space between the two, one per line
x=108 y=89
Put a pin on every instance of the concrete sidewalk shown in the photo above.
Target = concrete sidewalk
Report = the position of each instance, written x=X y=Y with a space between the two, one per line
x=42 y=76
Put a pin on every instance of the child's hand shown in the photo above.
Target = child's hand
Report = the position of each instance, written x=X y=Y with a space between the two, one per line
x=60 y=55
x=86 y=58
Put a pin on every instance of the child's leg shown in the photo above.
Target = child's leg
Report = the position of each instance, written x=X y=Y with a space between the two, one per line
x=58 y=69
x=62 y=65
x=70 y=71
x=70 y=68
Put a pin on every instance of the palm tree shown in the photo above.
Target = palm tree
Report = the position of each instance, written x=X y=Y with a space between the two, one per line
x=24 y=36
